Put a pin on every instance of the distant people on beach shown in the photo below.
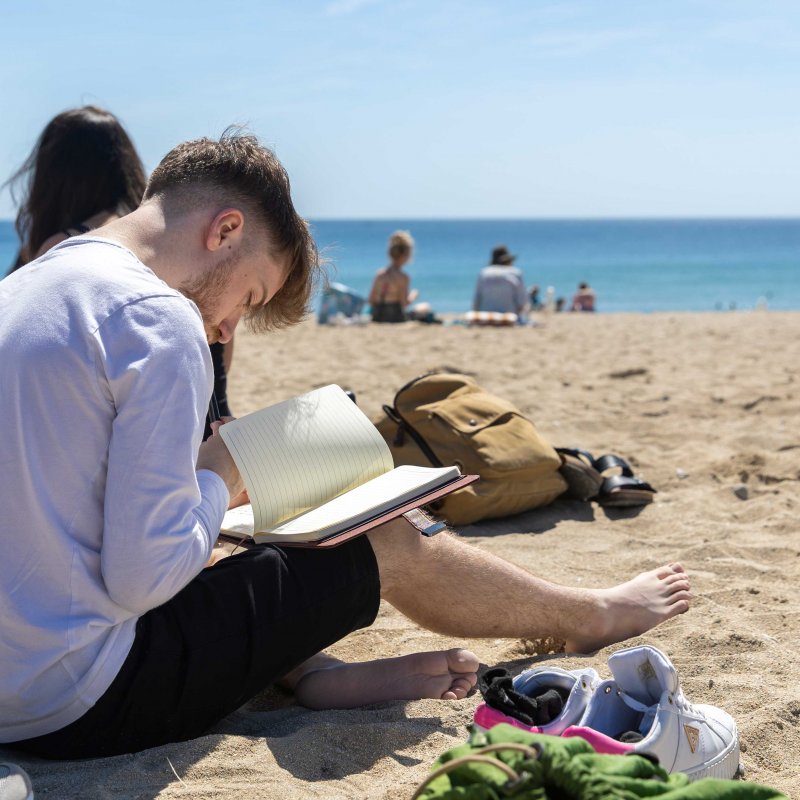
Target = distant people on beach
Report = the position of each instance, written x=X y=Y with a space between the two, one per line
x=501 y=287
x=584 y=298
x=391 y=293
x=534 y=298
x=84 y=172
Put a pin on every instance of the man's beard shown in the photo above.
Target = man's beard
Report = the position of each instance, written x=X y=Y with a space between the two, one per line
x=205 y=291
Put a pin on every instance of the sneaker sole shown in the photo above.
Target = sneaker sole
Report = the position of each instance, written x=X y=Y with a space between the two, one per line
x=725 y=766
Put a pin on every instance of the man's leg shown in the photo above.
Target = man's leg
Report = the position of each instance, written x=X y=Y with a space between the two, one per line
x=326 y=682
x=454 y=588
x=233 y=630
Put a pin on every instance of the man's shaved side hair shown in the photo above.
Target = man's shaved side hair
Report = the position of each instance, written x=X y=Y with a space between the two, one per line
x=237 y=171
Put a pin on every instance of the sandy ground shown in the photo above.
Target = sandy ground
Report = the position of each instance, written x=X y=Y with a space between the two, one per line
x=700 y=404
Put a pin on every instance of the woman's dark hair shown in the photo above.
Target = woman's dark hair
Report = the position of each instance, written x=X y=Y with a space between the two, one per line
x=83 y=163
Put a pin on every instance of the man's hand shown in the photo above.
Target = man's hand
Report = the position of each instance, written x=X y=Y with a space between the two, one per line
x=214 y=455
x=239 y=500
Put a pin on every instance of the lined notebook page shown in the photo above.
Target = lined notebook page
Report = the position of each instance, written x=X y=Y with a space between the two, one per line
x=362 y=503
x=298 y=454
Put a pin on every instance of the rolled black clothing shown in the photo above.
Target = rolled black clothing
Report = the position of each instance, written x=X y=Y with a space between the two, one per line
x=496 y=686
x=235 y=629
x=220 y=384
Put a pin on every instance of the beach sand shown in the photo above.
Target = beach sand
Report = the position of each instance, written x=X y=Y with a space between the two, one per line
x=700 y=404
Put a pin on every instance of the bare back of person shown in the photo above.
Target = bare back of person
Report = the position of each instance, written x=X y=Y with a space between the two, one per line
x=391 y=285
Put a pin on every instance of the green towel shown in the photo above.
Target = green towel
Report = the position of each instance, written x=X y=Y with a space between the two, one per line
x=569 y=769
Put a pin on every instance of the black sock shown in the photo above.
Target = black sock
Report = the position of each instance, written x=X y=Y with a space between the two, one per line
x=498 y=691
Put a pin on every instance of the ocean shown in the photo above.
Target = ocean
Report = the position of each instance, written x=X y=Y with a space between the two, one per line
x=633 y=265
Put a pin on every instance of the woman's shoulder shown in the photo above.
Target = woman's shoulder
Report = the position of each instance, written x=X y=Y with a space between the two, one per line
x=51 y=241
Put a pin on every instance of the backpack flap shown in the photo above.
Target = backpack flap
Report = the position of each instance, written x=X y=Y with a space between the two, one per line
x=448 y=419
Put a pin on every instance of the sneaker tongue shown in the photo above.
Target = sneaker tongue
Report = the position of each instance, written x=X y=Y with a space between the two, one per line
x=644 y=673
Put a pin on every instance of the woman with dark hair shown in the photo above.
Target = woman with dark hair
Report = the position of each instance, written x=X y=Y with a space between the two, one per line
x=83 y=172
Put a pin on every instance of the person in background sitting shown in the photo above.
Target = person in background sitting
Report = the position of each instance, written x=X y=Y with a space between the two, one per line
x=584 y=298
x=390 y=292
x=84 y=172
x=501 y=287
x=534 y=299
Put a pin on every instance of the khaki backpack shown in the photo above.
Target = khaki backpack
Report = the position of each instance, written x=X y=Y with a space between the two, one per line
x=442 y=419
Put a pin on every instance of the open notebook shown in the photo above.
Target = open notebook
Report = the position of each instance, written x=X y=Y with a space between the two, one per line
x=318 y=472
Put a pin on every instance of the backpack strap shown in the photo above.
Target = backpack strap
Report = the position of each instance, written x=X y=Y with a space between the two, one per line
x=404 y=428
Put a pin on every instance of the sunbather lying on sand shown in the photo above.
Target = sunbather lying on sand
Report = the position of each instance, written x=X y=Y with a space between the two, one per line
x=114 y=636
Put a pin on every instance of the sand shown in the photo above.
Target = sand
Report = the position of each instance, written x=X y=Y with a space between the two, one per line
x=705 y=406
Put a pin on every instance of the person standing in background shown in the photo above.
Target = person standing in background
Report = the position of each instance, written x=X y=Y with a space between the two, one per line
x=390 y=292
x=501 y=286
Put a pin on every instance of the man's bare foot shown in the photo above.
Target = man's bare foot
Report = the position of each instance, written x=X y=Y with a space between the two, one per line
x=633 y=608
x=325 y=682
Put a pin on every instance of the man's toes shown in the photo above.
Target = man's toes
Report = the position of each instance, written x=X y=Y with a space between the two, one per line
x=458 y=690
x=680 y=599
x=460 y=660
x=676 y=583
x=676 y=576
x=678 y=596
x=465 y=682
x=669 y=569
x=680 y=606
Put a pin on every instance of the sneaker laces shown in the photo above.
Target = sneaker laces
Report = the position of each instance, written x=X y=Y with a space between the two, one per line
x=683 y=704
x=648 y=712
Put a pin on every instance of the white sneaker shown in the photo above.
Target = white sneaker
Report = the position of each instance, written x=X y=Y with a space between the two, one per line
x=645 y=697
x=579 y=683
x=14 y=783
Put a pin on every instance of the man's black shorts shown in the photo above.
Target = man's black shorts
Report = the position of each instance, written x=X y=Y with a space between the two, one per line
x=236 y=628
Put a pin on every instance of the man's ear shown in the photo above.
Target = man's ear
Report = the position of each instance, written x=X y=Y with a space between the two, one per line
x=225 y=230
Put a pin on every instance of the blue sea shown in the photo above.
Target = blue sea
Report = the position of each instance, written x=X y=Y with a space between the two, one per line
x=633 y=265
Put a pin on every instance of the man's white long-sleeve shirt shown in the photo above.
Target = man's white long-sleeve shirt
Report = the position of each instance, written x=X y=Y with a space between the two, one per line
x=105 y=380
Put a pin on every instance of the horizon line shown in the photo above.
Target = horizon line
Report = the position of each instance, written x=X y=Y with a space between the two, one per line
x=620 y=218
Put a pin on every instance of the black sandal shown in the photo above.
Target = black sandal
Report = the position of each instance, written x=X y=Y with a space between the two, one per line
x=623 y=491
x=577 y=469
x=586 y=480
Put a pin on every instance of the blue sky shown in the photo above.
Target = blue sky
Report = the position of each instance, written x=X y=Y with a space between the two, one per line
x=418 y=108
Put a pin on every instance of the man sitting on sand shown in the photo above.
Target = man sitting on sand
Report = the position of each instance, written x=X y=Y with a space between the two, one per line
x=501 y=287
x=114 y=636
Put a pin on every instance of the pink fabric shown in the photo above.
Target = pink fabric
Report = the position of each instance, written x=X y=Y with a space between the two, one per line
x=599 y=741
x=487 y=717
